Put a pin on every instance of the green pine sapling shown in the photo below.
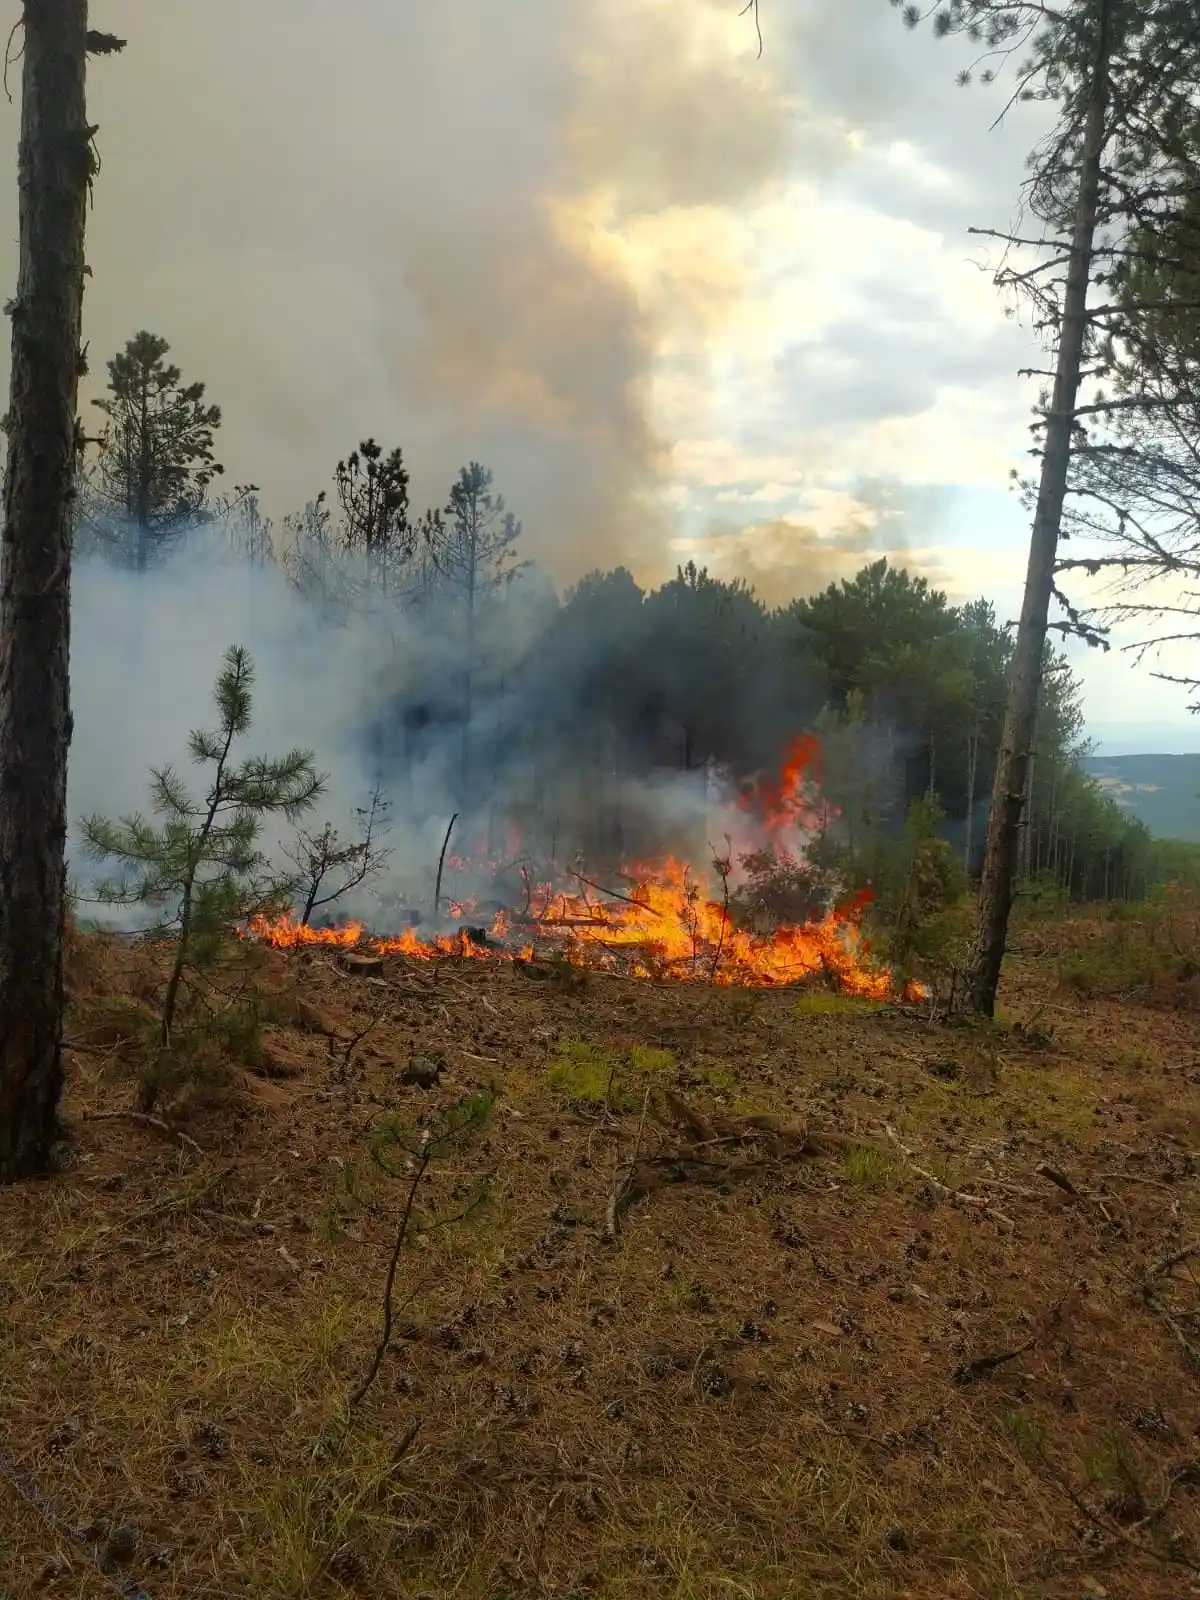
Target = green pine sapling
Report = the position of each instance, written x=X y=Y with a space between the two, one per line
x=202 y=865
x=402 y=1152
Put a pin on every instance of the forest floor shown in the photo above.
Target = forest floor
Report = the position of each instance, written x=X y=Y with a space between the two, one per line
x=950 y=1355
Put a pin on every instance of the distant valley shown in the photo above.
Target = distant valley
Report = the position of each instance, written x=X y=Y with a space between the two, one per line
x=1163 y=791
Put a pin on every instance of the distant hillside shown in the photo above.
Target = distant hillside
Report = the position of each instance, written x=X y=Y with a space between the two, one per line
x=1162 y=791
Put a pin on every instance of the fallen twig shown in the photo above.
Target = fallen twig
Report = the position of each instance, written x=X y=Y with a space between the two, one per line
x=623 y=1184
x=1053 y=1321
x=969 y=1371
x=1059 y=1179
x=1161 y=1269
x=407 y=1439
x=1185 y=1344
x=978 y=1200
x=260 y=1229
x=41 y=1502
x=172 y=1202
x=1128 y=1536
x=1176 y=1258
x=1005 y=1187
x=142 y=1119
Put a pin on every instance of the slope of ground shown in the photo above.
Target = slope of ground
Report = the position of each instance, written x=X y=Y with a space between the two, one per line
x=949 y=1355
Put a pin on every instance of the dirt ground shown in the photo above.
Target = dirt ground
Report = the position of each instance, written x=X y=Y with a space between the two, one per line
x=946 y=1354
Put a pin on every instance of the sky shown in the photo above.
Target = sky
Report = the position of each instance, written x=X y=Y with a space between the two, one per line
x=686 y=301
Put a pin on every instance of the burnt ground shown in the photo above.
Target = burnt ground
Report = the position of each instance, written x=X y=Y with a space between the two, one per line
x=779 y=1379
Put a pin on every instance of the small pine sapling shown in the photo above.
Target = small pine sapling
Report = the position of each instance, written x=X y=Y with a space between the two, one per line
x=722 y=866
x=201 y=865
x=328 y=867
x=454 y=1130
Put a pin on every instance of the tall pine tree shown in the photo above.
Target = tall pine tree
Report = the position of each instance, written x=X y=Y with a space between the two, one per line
x=55 y=168
x=150 y=483
x=1121 y=72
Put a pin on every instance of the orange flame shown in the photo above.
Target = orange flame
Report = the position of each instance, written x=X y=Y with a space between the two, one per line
x=790 y=800
x=666 y=927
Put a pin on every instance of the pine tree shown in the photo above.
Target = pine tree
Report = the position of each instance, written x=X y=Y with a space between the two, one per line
x=149 y=486
x=475 y=556
x=1122 y=72
x=202 y=864
x=56 y=166
x=251 y=534
x=372 y=492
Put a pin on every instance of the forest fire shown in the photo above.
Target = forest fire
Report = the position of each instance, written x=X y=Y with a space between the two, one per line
x=665 y=929
x=663 y=923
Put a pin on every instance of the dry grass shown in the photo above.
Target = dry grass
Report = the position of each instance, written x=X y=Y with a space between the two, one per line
x=751 y=1392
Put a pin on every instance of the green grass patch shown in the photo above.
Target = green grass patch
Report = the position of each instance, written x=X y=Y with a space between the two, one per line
x=827 y=1004
x=716 y=1076
x=590 y=1075
x=866 y=1168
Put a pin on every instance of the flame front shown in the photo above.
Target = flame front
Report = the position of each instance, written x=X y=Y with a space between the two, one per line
x=666 y=926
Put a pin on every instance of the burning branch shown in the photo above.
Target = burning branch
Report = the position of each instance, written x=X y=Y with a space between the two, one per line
x=437 y=892
x=614 y=894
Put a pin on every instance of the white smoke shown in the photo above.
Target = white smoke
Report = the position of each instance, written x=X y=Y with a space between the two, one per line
x=146 y=651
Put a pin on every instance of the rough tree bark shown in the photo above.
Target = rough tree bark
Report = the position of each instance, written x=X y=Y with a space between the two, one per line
x=54 y=169
x=1025 y=684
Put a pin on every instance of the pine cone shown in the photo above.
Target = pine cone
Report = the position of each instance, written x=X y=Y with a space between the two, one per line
x=349 y=1566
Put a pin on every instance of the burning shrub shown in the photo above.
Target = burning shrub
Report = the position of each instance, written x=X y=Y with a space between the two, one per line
x=202 y=870
x=778 y=890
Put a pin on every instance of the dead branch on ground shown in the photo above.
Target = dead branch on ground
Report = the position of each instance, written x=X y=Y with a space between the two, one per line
x=142 y=1119
x=1162 y=1268
x=978 y=1200
x=623 y=1186
x=1060 y=1180
x=38 y=1500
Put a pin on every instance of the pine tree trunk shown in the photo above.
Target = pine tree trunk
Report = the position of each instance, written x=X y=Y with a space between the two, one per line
x=1004 y=822
x=39 y=486
x=468 y=690
x=1025 y=850
x=972 y=769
